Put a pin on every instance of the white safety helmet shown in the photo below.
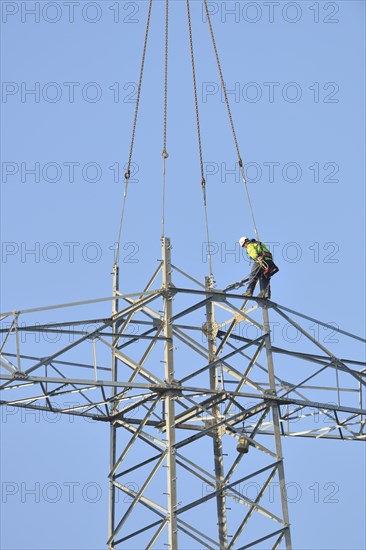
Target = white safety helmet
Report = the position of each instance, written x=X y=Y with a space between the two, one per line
x=242 y=240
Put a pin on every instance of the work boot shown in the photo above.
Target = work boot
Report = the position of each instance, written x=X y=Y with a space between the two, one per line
x=248 y=294
x=266 y=294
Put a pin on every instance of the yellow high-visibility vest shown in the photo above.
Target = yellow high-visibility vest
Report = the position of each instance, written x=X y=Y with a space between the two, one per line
x=256 y=248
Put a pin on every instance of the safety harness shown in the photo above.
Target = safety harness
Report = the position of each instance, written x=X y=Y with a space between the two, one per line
x=265 y=260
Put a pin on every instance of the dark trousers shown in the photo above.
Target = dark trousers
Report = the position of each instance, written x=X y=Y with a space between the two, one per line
x=255 y=275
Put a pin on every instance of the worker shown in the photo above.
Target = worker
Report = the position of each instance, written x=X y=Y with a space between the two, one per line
x=263 y=267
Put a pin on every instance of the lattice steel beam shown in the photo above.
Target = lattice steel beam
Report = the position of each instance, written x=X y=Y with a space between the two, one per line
x=220 y=390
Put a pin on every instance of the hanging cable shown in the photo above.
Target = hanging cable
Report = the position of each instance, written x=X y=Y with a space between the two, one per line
x=230 y=116
x=203 y=181
x=165 y=152
x=128 y=171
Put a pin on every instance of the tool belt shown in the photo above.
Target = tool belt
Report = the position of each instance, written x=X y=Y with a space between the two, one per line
x=267 y=264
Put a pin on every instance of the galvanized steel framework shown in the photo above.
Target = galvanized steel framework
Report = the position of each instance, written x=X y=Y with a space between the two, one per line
x=167 y=405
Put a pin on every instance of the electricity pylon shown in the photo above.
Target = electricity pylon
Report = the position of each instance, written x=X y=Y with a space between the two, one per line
x=196 y=408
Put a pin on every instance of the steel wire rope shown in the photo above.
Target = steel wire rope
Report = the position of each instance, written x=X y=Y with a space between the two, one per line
x=165 y=154
x=128 y=171
x=203 y=181
x=223 y=85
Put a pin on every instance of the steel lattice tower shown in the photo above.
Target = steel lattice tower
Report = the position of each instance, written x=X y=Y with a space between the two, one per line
x=195 y=407
x=190 y=425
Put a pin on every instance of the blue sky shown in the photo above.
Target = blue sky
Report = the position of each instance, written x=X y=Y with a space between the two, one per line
x=296 y=82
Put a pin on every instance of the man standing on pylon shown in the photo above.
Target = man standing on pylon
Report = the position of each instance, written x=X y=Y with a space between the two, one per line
x=263 y=267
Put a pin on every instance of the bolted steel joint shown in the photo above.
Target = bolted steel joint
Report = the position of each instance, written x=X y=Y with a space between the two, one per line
x=210 y=329
x=20 y=375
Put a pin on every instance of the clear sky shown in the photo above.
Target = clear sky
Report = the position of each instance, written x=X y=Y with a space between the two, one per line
x=295 y=73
